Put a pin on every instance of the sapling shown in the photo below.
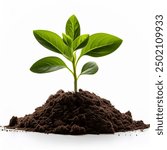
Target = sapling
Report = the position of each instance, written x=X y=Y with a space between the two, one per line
x=95 y=45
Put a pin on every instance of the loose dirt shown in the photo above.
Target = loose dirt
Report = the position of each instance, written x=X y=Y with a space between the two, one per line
x=77 y=113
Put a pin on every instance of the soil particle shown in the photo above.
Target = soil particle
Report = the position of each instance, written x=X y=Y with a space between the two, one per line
x=77 y=113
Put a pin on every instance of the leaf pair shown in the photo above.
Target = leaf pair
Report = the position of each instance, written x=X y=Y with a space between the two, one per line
x=72 y=38
x=78 y=43
x=50 y=64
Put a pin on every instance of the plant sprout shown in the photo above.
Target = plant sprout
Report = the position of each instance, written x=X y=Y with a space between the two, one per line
x=96 y=45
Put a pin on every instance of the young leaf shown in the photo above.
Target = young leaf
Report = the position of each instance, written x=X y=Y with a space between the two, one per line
x=89 y=68
x=73 y=27
x=80 y=41
x=67 y=39
x=48 y=64
x=101 y=44
x=53 y=42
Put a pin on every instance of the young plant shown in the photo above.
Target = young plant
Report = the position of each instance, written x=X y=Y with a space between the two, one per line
x=96 y=45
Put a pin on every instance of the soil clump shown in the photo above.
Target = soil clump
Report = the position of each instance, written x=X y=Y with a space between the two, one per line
x=77 y=113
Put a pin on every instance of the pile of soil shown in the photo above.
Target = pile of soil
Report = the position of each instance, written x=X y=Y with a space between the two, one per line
x=77 y=113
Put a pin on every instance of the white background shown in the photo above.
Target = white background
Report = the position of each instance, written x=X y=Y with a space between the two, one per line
x=124 y=77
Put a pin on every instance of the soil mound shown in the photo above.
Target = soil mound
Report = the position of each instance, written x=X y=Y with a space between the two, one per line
x=77 y=113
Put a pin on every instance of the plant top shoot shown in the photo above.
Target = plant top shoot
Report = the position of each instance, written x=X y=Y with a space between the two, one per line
x=95 y=45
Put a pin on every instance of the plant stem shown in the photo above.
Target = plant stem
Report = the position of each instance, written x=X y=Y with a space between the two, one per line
x=75 y=75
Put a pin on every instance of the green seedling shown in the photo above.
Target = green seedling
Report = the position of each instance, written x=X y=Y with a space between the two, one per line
x=96 y=45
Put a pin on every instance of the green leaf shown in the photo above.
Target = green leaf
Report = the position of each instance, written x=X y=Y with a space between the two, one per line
x=53 y=42
x=48 y=64
x=101 y=44
x=89 y=68
x=73 y=27
x=67 y=39
x=80 y=41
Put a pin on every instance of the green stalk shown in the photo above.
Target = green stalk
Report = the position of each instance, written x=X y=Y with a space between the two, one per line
x=74 y=74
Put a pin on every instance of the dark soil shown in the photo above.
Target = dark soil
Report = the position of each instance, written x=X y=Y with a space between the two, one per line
x=77 y=113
